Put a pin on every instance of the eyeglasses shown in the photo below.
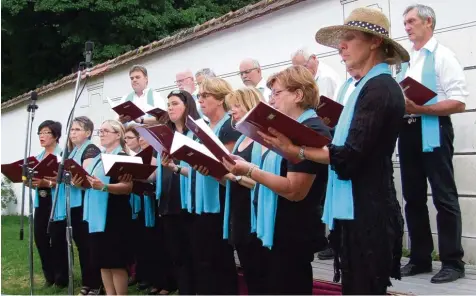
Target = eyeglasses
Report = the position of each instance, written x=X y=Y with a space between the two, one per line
x=129 y=138
x=203 y=95
x=105 y=132
x=247 y=71
x=45 y=133
x=182 y=80
x=276 y=93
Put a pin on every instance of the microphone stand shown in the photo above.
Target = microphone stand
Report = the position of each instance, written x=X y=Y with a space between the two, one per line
x=64 y=176
x=27 y=176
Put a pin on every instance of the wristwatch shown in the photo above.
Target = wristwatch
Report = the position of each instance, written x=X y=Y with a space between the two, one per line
x=179 y=168
x=301 y=153
x=238 y=179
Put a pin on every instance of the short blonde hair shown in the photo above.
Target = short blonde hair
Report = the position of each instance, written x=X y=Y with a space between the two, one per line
x=298 y=78
x=118 y=128
x=248 y=97
x=218 y=88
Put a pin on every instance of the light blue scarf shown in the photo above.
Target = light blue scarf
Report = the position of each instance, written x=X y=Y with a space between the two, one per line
x=150 y=97
x=256 y=160
x=76 y=196
x=136 y=205
x=430 y=125
x=36 y=201
x=207 y=188
x=186 y=183
x=267 y=198
x=95 y=201
x=339 y=202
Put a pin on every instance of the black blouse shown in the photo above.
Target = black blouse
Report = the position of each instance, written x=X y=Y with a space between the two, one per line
x=297 y=222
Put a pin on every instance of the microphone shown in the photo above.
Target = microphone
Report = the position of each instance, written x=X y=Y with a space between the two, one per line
x=88 y=48
x=32 y=106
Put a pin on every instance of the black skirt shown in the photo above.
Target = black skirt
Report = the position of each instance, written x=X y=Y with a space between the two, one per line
x=112 y=248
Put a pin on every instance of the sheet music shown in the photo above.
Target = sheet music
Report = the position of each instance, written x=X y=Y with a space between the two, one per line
x=109 y=160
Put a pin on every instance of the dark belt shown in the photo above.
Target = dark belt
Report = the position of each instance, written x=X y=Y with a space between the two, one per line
x=414 y=119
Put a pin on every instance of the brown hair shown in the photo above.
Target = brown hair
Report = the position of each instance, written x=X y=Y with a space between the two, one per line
x=387 y=52
x=297 y=78
x=218 y=88
x=138 y=68
x=132 y=128
x=248 y=97
x=86 y=124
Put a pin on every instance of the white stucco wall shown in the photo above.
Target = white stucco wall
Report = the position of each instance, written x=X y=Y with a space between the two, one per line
x=271 y=40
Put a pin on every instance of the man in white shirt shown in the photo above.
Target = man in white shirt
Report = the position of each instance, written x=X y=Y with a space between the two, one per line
x=426 y=149
x=185 y=81
x=250 y=73
x=326 y=78
x=144 y=97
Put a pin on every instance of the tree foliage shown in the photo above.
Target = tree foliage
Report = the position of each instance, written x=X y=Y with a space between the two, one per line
x=43 y=40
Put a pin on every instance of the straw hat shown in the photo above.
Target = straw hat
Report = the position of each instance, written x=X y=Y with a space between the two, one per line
x=363 y=19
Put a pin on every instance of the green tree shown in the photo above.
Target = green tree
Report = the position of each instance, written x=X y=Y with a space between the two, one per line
x=43 y=40
x=8 y=195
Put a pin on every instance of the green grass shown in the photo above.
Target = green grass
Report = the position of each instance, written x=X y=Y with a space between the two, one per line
x=15 y=270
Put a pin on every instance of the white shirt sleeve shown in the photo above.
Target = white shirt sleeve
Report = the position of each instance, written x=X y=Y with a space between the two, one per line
x=159 y=101
x=451 y=76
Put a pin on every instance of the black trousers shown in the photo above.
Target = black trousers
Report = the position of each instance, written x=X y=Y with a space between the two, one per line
x=179 y=248
x=289 y=270
x=437 y=166
x=54 y=258
x=214 y=261
x=90 y=273
x=254 y=262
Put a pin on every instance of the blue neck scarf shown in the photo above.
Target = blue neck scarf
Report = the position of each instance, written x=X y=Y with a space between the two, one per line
x=150 y=97
x=36 y=201
x=207 y=189
x=256 y=160
x=339 y=203
x=430 y=125
x=186 y=183
x=268 y=199
x=95 y=201
x=343 y=91
x=136 y=205
x=76 y=195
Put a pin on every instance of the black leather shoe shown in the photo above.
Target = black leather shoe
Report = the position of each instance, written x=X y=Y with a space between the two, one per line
x=327 y=254
x=446 y=275
x=412 y=269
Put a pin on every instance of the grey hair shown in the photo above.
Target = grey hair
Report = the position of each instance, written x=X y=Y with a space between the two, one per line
x=302 y=52
x=206 y=72
x=253 y=61
x=424 y=12
x=138 y=68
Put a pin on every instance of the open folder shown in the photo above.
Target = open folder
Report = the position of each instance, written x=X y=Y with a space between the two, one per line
x=194 y=153
x=135 y=111
x=158 y=136
x=117 y=165
x=48 y=167
x=263 y=116
x=75 y=169
x=416 y=91
x=329 y=111
x=206 y=135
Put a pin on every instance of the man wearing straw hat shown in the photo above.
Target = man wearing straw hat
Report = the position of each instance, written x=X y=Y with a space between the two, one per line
x=426 y=149
x=361 y=207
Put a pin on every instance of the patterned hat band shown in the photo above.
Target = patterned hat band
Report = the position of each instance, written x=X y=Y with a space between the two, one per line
x=368 y=26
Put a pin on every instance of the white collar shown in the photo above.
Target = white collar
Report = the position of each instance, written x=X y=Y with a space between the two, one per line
x=430 y=45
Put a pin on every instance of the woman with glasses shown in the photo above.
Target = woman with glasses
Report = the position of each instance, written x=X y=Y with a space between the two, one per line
x=239 y=225
x=82 y=152
x=173 y=179
x=214 y=258
x=288 y=194
x=54 y=258
x=108 y=213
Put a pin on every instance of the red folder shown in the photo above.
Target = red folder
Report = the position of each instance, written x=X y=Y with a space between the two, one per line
x=47 y=167
x=138 y=171
x=211 y=144
x=416 y=91
x=329 y=111
x=13 y=171
x=156 y=112
x=160 y=137
x=128 y=109
x=263 y=116
x=194 y=153
x=76 y=169
x=146 y=155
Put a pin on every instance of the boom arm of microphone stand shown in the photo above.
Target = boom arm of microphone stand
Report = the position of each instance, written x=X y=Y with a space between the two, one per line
x=59 y=178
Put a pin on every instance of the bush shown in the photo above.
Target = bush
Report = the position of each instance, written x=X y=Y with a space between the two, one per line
x=8 y=195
